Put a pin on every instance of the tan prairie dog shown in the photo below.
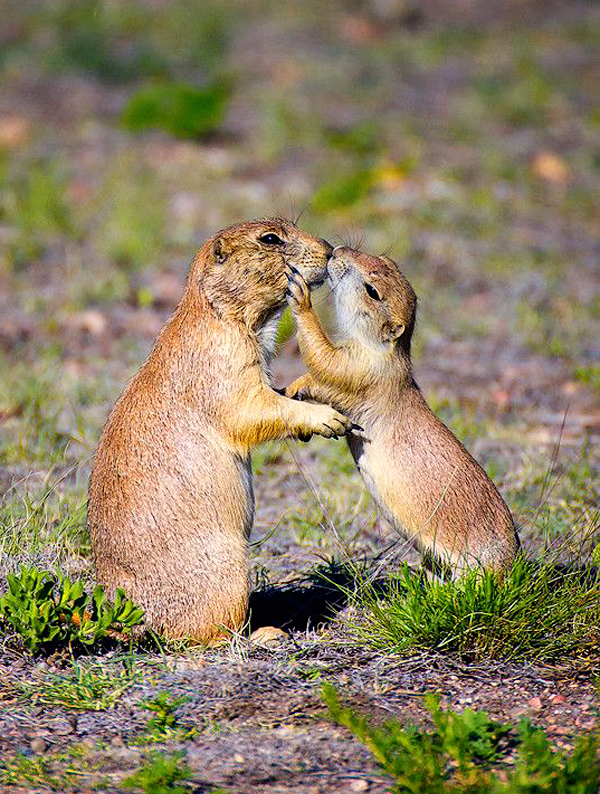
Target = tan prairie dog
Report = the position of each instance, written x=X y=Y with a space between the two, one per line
x=422 y=478
x=170 y=502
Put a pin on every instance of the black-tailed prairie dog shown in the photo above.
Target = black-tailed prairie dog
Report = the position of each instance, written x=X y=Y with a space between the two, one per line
x=170 y=501
x=422 y=478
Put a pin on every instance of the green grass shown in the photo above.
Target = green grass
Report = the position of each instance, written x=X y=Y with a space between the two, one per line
x=343 y=192
x=589 y=375
x=52 y=526
x=462 y=753
x=130 y=216
x=34 y=207
x=160 y=774
x=164 y=725
x=536 y=611
x=36 y=771
x=36 y=400
x=84 y=688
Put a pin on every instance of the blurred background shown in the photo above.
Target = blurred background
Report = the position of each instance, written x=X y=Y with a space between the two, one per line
x=460 y=136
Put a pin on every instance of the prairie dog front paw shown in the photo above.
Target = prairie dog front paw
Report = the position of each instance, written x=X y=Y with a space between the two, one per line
x=328 y=422
x=298 y=293
x=299 y=389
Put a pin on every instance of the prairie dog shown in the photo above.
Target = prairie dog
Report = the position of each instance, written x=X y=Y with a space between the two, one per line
x=170 y=501
x=422 y=478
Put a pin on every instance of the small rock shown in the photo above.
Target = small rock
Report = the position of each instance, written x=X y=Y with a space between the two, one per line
x=268 y=636
x=557 y=699
x=91 y=321
x=535 y=704
x=14 y=131
x=551 y=167
x=117 y=741
x=38 y=745
x=239 y=759
x=359 y=785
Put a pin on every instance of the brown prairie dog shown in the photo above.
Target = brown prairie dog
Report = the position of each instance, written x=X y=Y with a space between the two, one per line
x=171 y=503
x=422 y=478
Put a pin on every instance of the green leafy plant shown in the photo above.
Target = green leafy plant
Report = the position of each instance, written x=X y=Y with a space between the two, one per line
x=50 y=611
x=165 y=724
x=535 y=610
x=456 y=755
x=178 y=108
x=160 y=774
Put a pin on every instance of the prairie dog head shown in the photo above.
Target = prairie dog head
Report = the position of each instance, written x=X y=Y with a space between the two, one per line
x=242 y=270
x=374 y=302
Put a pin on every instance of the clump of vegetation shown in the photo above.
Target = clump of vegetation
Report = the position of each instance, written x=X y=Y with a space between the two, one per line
x=51 y=612
x=589 y=375
x=536 y=611
x=456 y=755
x=178 y=108
x=90 y=688
x=160 y=774
x=95 y=37
x=343 y=191
x=37 y=771
x=165 y=724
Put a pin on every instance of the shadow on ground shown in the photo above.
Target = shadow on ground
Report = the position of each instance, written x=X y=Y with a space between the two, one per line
x=301 y=606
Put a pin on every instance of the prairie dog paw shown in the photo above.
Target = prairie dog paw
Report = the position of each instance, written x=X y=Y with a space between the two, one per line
x=330 y=423
x=298 y=294
x=298 y=389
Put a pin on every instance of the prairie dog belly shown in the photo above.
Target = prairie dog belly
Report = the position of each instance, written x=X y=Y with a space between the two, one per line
x=375 y=467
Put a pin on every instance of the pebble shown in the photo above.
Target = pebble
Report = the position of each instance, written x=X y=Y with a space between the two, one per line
x=268 y=636
x=359 y=785
x=38 y=745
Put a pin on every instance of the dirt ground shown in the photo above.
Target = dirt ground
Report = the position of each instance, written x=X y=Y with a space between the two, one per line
x=483 y=166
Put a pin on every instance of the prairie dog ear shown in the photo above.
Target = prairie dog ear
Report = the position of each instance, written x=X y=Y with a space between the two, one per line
x=391 y=332
x=220 y=252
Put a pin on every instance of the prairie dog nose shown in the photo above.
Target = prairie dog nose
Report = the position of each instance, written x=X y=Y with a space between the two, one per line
x=328 y=248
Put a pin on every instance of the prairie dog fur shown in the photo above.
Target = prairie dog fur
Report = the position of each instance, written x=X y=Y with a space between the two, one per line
x=171 y=502
x=422 y=478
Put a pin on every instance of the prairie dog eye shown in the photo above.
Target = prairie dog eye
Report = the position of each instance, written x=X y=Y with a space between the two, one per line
x=372 y=292
x=270 y=238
